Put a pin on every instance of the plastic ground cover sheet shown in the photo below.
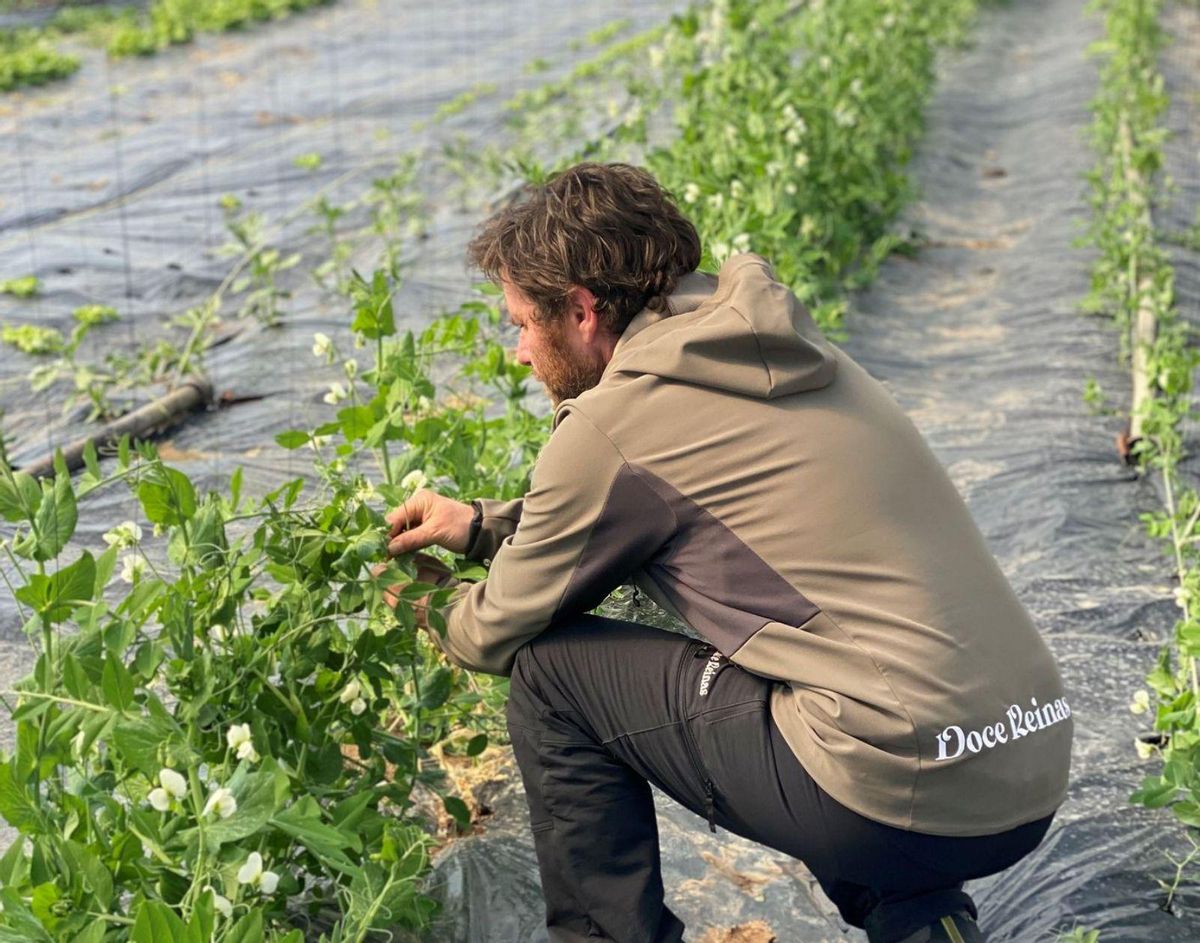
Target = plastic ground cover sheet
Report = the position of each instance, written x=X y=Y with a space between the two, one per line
x=979 y=339
x=110 y=196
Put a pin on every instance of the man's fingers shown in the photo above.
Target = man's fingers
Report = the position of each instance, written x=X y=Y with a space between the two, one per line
x=409 y=541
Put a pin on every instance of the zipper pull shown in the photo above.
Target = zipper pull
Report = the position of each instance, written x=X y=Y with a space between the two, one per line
x=708 y=806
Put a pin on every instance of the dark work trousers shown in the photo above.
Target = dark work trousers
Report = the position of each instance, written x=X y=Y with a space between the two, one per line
x=601 y=708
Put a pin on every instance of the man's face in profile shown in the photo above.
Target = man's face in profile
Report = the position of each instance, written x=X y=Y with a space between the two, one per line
x=562 y=362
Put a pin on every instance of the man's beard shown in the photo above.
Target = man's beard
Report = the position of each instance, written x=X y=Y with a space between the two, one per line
x=566 y=375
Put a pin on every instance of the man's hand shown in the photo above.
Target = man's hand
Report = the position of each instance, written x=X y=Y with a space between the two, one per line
x=429 y=518
x=429 y=570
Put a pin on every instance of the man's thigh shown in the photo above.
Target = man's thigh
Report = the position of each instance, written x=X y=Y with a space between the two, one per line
x=672 y=709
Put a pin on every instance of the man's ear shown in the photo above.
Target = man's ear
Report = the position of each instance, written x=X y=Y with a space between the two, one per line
x=581 y=309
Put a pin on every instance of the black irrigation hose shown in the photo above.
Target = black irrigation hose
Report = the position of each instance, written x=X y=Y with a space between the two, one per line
x=159 y=414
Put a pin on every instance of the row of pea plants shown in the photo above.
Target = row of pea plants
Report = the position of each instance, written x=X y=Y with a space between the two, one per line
x=228 y=744
x=787 y=132
x=30 y=55
x=129 y=731
x=1132 y=280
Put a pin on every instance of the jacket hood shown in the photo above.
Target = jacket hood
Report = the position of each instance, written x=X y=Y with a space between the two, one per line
x=740 y=331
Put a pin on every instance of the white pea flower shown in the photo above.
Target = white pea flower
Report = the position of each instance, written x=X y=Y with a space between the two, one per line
x=123 y=535
x=238 y=738
x=350 y=691
x=716 y=200
x=792 y=136
x=800 y=161
x=357 y=706
x=221 y=802
x=1144 y=750
x=789 y=188
x=808 y=226
x=888 y=21
x=218 y=633
x=318 y=442
x=720 y=251
x=172 y=786
x=220 y=903
x=351 y=368
x=1140 y=703
x=414 y=481
x=789 y=112
x=132 y=567
x=741 y=242
x=252 y=873
x=691 y=193
x=365 y=492
x=322 y=345
x=844 y=116
x=337 y=393
x=856 y=87
x=737 y=189
x=656 y=55
x=825 y=63
x=173 y=782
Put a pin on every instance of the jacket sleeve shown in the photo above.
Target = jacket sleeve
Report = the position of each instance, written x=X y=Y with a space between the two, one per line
x=500 y=519
x=589 y=520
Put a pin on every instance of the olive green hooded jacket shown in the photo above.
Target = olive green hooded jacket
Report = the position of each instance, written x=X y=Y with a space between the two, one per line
x=754 y=480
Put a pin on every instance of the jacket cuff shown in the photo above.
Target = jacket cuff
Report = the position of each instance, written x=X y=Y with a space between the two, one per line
x=498 y=522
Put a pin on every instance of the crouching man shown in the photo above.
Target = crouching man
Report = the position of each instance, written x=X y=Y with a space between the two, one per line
x=868 y=694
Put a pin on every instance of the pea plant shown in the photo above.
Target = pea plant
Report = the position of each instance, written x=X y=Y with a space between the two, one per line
x=227 y=729
x=1133 y=279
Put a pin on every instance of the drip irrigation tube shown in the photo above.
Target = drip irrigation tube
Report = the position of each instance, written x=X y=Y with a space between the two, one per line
x=155 y=416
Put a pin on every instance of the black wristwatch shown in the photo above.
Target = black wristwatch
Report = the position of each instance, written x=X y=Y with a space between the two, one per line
x=476 y=524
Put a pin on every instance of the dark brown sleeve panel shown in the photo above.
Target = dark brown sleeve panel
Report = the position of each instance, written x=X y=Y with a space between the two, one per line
x=500 y=520
x=633 y=526
x=575 y=536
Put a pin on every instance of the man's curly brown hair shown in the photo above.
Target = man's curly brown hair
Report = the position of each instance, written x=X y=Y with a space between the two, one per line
x=610 y=228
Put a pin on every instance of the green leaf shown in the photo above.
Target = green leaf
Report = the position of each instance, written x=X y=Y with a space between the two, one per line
x=56 y=518
x=458 y=809
x=477 y=744
x=292 y=439
x=200 y=928
x=18 y=809
x=1154 y=793
x=117 y=684
x=255 y=806
x=19 y=499
x=303 y=821
x=168 y=496
x=157 y=923
x=92 y=933
x=247 y=930
x=356 y=421
x=436 y=688
x=138 y=742
x=14 y=866
x=57 y=596
x=373 y=317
